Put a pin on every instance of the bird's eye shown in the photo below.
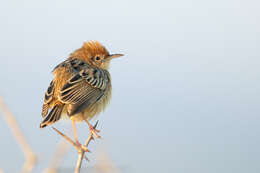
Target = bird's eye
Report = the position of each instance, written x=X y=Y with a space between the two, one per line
x=97 y=58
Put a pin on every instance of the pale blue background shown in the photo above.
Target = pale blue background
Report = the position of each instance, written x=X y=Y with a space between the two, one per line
x=185 y=95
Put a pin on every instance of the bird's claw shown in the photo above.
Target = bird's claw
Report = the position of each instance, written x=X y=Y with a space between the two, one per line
x=93 y=130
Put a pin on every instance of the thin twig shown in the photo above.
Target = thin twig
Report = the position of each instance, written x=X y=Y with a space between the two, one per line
x=81 y=154
x=81 y=151
x=19 y=137
x=67 y=138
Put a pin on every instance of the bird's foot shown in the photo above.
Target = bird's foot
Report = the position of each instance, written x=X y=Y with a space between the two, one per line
x=93 y=129
x=84 y=148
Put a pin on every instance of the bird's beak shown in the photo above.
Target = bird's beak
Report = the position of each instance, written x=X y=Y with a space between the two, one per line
x=112 y=56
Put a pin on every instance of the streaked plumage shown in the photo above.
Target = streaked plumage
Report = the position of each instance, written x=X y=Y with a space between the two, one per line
x=81 y=87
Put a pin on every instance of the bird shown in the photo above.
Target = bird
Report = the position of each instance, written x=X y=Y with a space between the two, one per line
x=81 y=87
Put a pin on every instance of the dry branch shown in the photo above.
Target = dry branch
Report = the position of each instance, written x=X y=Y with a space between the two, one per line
x=19 y=137
x=81 y=151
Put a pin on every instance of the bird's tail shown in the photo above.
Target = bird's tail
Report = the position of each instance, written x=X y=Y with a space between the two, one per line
x=53 y=116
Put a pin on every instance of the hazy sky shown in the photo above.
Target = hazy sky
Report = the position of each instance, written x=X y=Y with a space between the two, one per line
x=185 y=95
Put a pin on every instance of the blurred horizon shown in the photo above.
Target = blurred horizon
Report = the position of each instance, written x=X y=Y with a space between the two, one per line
x=185 y=95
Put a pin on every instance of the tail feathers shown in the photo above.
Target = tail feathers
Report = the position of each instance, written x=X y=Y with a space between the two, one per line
x=45 y=108
x=53 y=116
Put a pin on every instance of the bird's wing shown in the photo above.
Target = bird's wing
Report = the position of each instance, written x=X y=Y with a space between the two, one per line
x=83 y=89
x=47 y=99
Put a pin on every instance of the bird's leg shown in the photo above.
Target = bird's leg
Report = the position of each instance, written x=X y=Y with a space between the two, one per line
x=75 y=132
x=93 y=130
x=77 y=138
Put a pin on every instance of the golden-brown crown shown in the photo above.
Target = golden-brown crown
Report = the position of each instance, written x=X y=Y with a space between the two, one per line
x=95 y=48
x=90 y=49
x=94 y=53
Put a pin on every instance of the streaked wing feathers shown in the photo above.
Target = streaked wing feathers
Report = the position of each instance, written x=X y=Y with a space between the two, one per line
x=47 y=99
x=83 y=89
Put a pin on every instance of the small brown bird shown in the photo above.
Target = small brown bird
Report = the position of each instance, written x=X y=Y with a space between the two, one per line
x=81 y=87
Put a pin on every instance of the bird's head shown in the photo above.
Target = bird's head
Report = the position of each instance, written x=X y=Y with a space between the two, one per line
x=94 y=54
